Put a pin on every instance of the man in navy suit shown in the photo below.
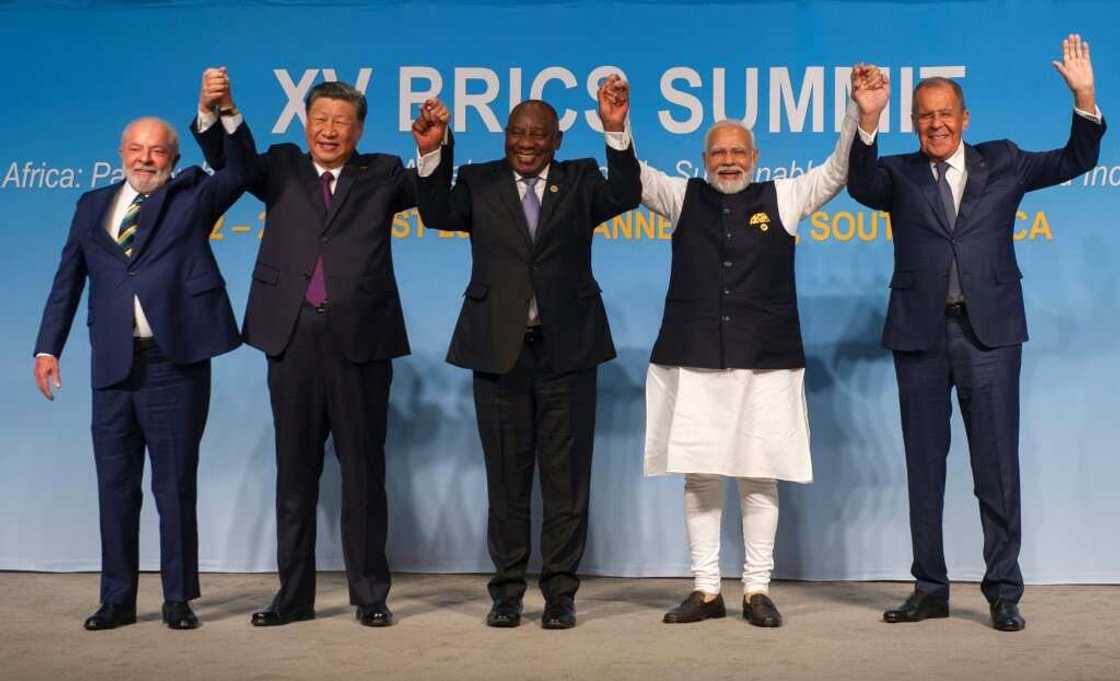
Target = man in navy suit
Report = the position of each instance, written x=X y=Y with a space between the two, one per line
x=158 y=312
x=956 y=314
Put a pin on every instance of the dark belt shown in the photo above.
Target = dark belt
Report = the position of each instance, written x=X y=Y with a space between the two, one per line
x=142 y=344
x=955 y=310
x=533 y=335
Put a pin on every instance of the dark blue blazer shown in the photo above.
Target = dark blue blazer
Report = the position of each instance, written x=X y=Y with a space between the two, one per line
x=172 y=270
x=999 y=174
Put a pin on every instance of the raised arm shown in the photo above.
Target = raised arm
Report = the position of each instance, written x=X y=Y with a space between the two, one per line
x=622 y=189
x=441 y=206
x=429 y=131
x=868 y=182
x=1080 y=154
x=215 y=102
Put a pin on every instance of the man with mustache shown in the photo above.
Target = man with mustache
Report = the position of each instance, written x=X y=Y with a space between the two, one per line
x=725 y=390
x=956 y=315
x=324 y=308
x=534 y=330
x=158 y=312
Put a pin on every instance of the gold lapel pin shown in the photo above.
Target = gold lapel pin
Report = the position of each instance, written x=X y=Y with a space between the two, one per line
x=553 y=189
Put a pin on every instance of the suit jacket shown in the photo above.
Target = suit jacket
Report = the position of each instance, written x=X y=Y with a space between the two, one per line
x=354 y=239
x=999 y=173
x=172 y=270
x=509 y=266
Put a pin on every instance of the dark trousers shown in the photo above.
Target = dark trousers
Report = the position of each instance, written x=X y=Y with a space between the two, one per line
x=987 y=382
x=161 y=407
x=316 y=391
x=526 y=416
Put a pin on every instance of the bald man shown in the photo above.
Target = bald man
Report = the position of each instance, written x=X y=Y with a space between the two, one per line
x=158 y=312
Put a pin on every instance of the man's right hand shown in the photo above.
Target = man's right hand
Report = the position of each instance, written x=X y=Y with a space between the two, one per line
x=430 y=126
x=871 y=91
x=215 y=92
x=46 y=369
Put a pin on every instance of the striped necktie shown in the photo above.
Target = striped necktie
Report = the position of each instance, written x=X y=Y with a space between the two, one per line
x=126 y=234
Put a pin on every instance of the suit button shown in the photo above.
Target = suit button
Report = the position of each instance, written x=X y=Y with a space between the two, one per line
x=727 y=263
x=728 y=235
x=726 y=318
x=726 y=291
x=131 y=273
x=324 y=239
x=727 y=211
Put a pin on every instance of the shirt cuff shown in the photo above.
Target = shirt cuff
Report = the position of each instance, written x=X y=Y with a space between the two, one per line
x=867 y=137
x=426 y=164
x=205 y=120
x=44 y=354
x=619 y=141
x=1095 y=116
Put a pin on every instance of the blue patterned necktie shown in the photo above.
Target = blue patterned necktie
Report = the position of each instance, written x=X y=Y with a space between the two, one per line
x=126 y=234
x=954 y=295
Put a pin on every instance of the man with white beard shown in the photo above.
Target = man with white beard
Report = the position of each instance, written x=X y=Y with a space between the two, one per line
x=725 y=392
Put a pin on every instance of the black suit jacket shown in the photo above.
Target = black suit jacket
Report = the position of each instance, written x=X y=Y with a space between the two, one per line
x=354 y=239
x=509 y=266
x=999 y=173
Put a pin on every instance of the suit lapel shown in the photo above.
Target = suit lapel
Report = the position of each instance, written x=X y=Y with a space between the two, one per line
x=974 y=187
x=922 y=175
x=101 y=214
x=554 y=191
x=506 y=187
x=350 y=173
x=149 y=215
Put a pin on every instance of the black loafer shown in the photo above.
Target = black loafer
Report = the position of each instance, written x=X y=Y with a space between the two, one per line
x=178 y=615
x=504 y=614
x=696 y=609
x=760 y=611
x=110 y=616
x=918 y=606
x=374 y=615
x=559 y=613
x=270 y=617
x=1006 y=617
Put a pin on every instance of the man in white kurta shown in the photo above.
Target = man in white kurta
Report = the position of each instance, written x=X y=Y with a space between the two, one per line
x=725 y=392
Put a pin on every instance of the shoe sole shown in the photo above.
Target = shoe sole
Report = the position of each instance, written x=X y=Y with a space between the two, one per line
x=673 y=620
x=287 y=620
x=936 y=616
x=121 y=623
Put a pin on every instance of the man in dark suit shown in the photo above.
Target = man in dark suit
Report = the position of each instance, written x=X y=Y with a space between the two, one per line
x=956 y=314
x=324 y=308
x=533 y=329
x=158 y=312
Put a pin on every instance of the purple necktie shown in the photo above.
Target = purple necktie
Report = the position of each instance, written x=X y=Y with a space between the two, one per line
x=317 y=288
x=531 y=204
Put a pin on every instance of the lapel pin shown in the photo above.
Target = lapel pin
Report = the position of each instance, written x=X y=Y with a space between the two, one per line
x=553 y=189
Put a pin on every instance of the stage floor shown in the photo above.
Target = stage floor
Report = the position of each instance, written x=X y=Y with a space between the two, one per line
x=833 y=632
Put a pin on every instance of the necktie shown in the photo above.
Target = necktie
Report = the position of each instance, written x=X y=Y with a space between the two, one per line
x=955 y=295
x=531 y=204
x=126 y=234
x=317 y=287
x=532 y=207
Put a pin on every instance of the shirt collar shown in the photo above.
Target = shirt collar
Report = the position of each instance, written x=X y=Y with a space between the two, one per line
x=543 y=174
x=319 y=170
x=956 y=161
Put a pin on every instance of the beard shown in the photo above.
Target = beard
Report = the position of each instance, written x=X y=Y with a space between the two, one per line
x=145 y=183
x=728 y=185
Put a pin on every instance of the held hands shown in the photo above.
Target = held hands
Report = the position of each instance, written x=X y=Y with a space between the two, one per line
x=871 y=90
x=430 y=126
x=46 y=369
x=215 y=92
x=614 y=103
x=1077 y=70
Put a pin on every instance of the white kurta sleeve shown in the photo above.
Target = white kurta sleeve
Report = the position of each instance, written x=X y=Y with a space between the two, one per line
x=663 y=194
x=800 y=196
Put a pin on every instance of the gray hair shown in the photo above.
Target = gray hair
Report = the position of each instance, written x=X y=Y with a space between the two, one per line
x=336 y=89
x=172 y=133
x=727 y=123
x=938 y=81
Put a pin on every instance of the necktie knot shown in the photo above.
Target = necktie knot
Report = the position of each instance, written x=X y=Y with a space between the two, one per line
x=325 y=183
x=530 y=182
x=942 y=168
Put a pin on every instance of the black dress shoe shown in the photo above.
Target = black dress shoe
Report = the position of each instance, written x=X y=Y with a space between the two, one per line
x=374 y=615
x=1006 y=617
x=504 y=614
x=110 y=616
x=919 y=606
x=559 y=613
x=695 y=609
x=270 y=617
x=760 y=611
x=178 y=615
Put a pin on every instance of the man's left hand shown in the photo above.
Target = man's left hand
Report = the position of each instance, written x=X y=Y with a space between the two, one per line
x=430 y=127
x=614 y=103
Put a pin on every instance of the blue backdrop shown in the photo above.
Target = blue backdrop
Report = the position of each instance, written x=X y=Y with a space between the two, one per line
x=76 y=74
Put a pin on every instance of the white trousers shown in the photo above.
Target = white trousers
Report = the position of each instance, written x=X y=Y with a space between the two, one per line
x=703 y=509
